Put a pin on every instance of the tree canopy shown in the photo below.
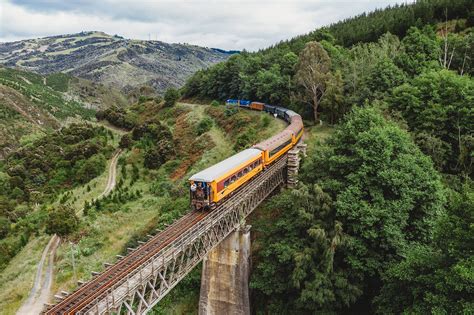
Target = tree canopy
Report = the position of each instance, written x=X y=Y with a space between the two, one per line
x=366 y=195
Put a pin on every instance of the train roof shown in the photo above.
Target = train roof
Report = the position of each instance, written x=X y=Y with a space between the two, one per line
x=217 y=170
x=275 y=141
x=291 y=113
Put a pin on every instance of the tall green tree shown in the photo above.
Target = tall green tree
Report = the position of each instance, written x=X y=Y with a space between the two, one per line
x=313 y=74
x=367 y=194
x=421 y=51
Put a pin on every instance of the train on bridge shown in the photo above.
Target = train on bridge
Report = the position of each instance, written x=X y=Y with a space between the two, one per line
x=136 y=282
x=212 y=186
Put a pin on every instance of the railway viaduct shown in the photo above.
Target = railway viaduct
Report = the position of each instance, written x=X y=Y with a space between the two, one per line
x=137 y=282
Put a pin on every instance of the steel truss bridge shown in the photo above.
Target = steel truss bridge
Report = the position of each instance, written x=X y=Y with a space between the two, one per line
x=138 y=281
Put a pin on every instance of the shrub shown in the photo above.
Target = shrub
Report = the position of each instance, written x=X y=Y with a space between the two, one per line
x=204 y=126
x=4 y=226
x=171 y=97
x=266 y=119
x=142 y=99
x=215 y=103
x=126 y=141
x=61 y=220
x=230 y=111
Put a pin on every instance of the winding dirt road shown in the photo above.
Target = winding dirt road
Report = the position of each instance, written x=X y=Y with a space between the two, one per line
x=41 y=290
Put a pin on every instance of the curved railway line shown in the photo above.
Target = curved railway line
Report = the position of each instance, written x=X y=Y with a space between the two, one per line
x=185 y=238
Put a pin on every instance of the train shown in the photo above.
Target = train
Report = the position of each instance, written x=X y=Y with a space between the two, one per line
x=210 y=187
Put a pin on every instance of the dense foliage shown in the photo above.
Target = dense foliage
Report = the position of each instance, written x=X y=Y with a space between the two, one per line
x=69 y=157
x=37 y=173
x=171 y=97
x=436 y=277
x=117 y=116
x=438 y=107
x=366 y=196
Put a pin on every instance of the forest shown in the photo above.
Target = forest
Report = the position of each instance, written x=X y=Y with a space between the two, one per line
x=382 y=220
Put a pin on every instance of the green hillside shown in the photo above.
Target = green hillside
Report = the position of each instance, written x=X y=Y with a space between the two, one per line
x=32 y=103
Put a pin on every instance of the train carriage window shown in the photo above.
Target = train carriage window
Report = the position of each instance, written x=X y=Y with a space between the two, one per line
x=240 y=174
x=226 y=183
x=233 y=179
x=246 y=170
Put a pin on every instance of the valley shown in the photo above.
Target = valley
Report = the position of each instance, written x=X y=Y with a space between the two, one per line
x=99 y=135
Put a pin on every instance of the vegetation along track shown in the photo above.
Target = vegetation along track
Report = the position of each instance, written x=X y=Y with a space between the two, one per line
x=78 y=301
x=102 y=282
x=40 y=292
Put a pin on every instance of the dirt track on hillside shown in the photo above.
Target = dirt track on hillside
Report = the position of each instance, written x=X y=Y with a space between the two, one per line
x=40 y=292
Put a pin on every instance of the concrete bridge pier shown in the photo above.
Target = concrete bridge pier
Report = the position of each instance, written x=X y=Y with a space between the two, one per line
x=225 y=276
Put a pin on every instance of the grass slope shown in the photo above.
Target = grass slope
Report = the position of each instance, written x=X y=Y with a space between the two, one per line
x=33 y=104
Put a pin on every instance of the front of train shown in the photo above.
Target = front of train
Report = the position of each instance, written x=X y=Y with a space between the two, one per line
x=200 y=195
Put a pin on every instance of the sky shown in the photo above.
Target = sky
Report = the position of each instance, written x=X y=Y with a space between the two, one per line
x=226 y=24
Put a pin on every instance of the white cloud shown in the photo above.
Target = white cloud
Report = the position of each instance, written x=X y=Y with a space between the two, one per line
x=227 y=24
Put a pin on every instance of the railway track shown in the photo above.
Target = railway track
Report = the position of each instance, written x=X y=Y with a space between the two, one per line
x=83 y=298
x=86 y=293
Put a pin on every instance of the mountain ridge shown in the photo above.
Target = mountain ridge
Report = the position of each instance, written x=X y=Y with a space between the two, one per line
x=112 y=60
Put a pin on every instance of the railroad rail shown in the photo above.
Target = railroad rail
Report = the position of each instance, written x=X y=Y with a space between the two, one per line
x=138 y=281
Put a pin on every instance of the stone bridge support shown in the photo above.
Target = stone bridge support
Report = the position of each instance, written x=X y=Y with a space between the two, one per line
x=225 y=275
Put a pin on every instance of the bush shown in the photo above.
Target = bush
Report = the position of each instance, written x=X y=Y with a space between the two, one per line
x=142 y=99
x=159 y=154
x=61 y=220
x=126 y=141
x=230 y=111
x=4 y=226
x=215 y=103
x=91 y=168
x=204 y=126
x=245 y=140
x=171 y=97
x=266 y=119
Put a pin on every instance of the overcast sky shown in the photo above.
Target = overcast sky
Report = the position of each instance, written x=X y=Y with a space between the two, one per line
x=226 y=24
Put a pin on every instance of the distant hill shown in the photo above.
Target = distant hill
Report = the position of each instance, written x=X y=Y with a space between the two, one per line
x=112 y=60
x=30 y=103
